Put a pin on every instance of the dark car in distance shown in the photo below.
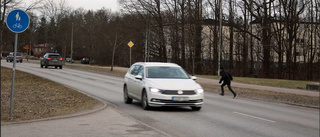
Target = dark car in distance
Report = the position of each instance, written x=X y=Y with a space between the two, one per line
x=51 y=59
x=85 y=61
x=69 y=60
x=19 y=57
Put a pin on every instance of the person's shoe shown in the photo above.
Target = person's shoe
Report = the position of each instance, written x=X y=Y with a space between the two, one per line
x=235 y=96
x=221 y=94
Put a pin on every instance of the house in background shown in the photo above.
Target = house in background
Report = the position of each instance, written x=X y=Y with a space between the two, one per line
x=41 y=49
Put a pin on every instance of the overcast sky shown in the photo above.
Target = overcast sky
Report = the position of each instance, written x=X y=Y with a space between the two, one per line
x=94 y=4
x=90 y=4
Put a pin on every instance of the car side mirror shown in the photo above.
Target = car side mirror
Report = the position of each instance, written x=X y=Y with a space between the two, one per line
x=193 y=77
x=138 y=77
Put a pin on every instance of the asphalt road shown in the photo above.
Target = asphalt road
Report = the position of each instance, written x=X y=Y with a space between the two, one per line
x=219 y=117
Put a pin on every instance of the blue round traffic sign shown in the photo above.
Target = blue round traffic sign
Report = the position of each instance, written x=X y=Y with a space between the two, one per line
x=17 y=21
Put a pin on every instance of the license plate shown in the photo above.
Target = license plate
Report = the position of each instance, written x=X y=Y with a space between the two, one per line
x=180 y=99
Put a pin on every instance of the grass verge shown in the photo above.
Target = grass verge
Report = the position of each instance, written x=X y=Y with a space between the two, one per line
x=287 y=98
x=36 y=98
x=292 y=84
x=99 y=69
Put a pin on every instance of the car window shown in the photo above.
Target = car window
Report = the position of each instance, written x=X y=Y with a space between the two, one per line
x=135 y=70
x=141 y=71
x=54 y=56
x=18 y=54
x=166 y=72
x=131 y=69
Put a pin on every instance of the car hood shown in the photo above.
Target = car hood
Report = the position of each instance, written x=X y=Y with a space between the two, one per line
x=173 y=84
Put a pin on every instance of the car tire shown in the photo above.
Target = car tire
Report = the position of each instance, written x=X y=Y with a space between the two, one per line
x=46 y=65
x=60 y=67
x=7 y=60
x=56 y=67
x=126 y=97
x=21 y=61
x=144 y=100
x=195 y=108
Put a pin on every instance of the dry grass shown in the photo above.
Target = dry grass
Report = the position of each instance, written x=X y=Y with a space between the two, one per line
x=36 y=98
x=267 y=95
x=99 y=69
x=292 y=84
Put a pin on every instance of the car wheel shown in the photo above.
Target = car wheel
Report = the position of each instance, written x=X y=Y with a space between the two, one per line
x=21 y=61
x=7 y=60
x=145 y=104
x=46 y=65
x=56 y=67
x=126 y=97
x=60 y=67
x=196 y=108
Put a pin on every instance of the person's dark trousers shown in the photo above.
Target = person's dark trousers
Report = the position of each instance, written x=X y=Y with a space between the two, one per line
x=229 y=86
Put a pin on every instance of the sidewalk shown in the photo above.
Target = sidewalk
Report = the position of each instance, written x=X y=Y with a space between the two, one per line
x=259 y=87
x=104 y=123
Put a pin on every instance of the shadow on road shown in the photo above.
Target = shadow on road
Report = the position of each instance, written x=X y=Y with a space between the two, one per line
x=163 y=109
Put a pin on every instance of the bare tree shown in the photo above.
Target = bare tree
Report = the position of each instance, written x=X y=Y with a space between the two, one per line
x=292 y=11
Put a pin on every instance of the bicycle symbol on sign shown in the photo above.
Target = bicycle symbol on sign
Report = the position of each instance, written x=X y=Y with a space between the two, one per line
x=17 y=25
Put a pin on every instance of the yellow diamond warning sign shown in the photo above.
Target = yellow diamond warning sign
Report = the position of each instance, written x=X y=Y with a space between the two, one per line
x=130 y=44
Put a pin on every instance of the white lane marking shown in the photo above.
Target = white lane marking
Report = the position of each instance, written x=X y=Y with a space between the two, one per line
x=254 y=117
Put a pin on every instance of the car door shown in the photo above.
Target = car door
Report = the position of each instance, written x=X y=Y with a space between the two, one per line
x=130 y=80
x=42 y=59
x=138 y=83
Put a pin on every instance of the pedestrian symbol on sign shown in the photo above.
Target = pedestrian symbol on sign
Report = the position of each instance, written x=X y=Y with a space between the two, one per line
x=18 y=18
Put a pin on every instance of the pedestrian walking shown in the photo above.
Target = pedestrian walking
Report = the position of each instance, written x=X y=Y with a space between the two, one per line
x=226 y=78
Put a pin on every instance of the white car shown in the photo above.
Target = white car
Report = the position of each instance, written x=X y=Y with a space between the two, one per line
x=161 y=84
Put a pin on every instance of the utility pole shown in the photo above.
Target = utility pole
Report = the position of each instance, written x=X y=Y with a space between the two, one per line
x=220 y=36
x=71 y=54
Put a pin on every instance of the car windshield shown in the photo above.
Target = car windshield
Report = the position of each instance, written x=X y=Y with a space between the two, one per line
x=166 y=72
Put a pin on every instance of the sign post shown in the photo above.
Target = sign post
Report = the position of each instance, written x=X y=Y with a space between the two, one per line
x=27 y=48
x=17 y=21
x=130 y=44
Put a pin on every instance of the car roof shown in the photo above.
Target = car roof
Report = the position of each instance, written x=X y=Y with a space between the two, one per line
x=147 y=64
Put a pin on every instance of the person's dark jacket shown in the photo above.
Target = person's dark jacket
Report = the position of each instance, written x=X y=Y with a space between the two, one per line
x=225 y=77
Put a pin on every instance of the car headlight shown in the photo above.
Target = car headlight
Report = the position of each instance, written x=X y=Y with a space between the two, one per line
x=155 y=90
x=199 y=91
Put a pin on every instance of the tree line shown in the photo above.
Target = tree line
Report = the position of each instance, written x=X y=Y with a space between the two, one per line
x=261 y=38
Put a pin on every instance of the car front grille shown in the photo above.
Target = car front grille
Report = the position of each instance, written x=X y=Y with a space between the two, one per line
x=180 y=102
x=175 y=92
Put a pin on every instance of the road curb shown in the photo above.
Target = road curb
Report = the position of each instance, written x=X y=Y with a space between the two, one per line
x=77 y=114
